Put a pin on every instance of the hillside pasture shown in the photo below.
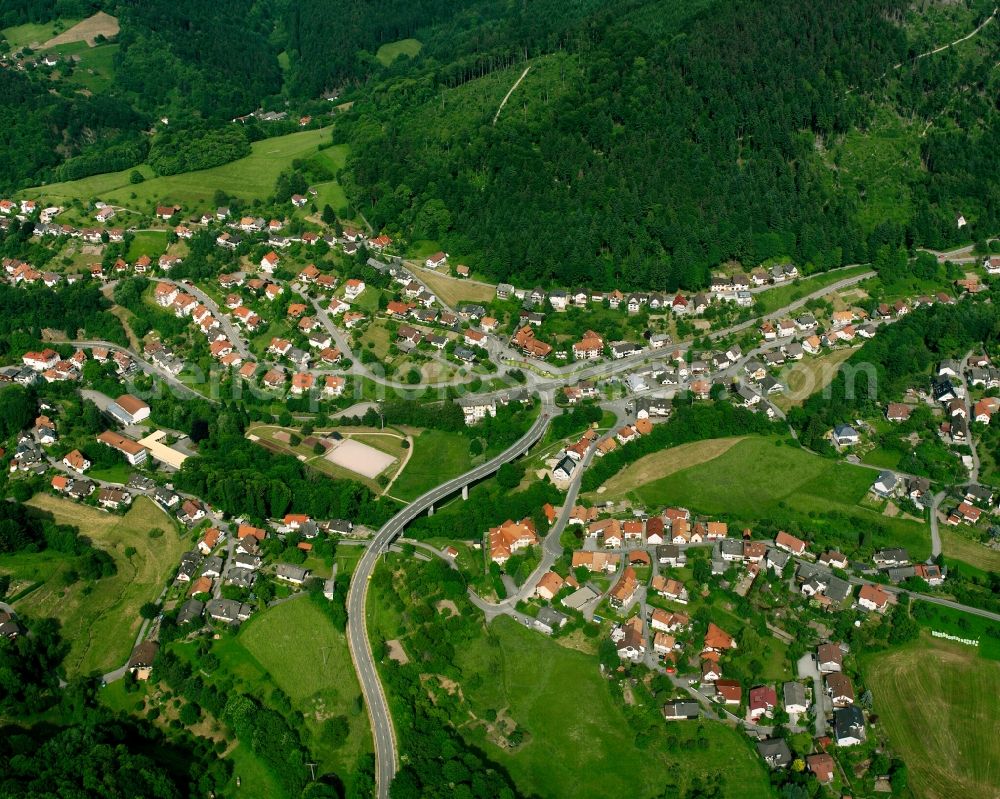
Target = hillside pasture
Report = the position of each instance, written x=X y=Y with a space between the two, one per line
x=101 y=619
x=390 y=51
x=765 y=479
x=937 y=704
x=539 y=684
x=665 y=462
x=250 y=178
x=35 y=33
x=453 y=290
x=956 y=545
x=804 y=378
x=297 y=648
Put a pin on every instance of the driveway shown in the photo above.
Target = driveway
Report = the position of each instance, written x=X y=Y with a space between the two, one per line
x=809 y=669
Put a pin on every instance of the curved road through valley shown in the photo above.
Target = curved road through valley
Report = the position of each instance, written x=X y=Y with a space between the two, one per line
x=383 y=734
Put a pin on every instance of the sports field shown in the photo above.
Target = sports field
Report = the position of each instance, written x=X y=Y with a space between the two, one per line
x=765 y=478
x=578 y=739
x=251 y=177
x=101 y=619
x=358 y=457
x=937 y=702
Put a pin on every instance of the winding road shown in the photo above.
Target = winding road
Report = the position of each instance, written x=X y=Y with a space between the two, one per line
x=383 y=733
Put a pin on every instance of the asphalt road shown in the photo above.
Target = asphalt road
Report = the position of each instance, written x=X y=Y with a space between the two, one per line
x=386 y=754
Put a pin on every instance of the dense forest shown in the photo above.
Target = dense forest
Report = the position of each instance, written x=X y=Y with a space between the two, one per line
x=215 y=59
x=81 y=749
x=644 y=160
x=73 y=309
x=43 y=127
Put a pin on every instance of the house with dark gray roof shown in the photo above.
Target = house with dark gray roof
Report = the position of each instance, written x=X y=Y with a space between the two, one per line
x=549 y=620
x=681 y=710
x=229 y=611
x=190 y=611
x=848 y=726
x=775 y=752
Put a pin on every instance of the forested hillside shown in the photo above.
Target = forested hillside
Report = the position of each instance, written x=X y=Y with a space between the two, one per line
x=644 y=157
x=649 y=141
x=216 y=59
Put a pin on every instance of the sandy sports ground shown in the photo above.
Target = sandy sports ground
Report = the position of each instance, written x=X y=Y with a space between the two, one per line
x=360 y=458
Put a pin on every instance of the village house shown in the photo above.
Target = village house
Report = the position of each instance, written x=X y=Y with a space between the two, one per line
x=76 y=461
x=269 y=262
x=623 y=592
x=510 y=538
x=631 y=643
x=550 y=585
x=761 y=702
x=872 y=597
x=597 y=561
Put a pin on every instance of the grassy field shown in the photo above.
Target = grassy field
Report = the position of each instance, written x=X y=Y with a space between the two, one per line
x=955 y=545
x=780 y=296
x=101 y=619
x=251 y=177
x=437 y=457
x=388 y=53
x=761 y=479
x=664 y=463
x=35 y=33
x=937 y=704
x=95 y=69
x=147 y=242
x=453 y=290
x=540 y=683
x=963 y=625
x=804 y=378
x=295 y=647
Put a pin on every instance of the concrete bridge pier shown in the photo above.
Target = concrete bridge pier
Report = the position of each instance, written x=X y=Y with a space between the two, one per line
x=465 y=492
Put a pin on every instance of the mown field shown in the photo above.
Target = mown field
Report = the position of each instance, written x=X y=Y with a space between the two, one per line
x=937 y=702
x=250 y=178
x=453 y=290
x=437 y=457
x=101 y=619
x=665 y=462
x=765 y=479
x=804 y=378
x=35 y=33
x=295 y=647
x=957 y=546
x=579 y=742
x=964 y=625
